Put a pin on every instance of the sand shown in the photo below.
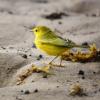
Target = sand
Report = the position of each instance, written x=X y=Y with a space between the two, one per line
x=78 y=20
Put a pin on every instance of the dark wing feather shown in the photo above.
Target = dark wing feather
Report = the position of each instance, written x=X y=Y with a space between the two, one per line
x=53 y=39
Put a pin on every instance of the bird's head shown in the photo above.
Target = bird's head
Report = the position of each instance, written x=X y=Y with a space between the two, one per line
x=40 y=30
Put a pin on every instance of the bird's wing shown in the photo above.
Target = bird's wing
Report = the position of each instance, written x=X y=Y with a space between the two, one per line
x=53 y=39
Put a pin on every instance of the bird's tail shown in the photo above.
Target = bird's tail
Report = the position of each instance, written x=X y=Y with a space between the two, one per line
x=82 y=46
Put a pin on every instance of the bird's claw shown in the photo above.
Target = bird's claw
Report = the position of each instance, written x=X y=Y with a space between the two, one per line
x=55 y=65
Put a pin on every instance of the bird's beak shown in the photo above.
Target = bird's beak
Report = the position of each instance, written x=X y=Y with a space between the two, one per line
x=31 y=31
x=31 y=28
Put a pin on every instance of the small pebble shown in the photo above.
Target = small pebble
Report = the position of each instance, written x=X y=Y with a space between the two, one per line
x=11 y=47
x=99 y=90
x=85 y=44
x=59 y=22
x=36 y=90
x=33 y=46
x=39 y=57
x=3 y=47
x=94 y=15
x=30 y=55
x=17 y=98
x=81 y=72
x=45 y=75
x=33 y=81
x=83 y=77
x=26 y=92
x=98 y=52
x=22 y=91
x=94 y=72
x=24 y=56
x=95 y=91
x=57 y=86
x=8 y=68
x=10 y=12
x=95 y=85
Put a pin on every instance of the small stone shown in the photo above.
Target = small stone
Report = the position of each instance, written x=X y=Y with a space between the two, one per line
x=95 y=91
x=98 y=52
x=10 y=12
x=57 y=86
x=94 y=72
x=24 y=56
x=22 y=91
x=30 y=55
x=39 y=57
x=27 y=92
x=11 y=47
x=41 y=1
x=94 y=15
x=83 y=77
x=33 y=46
x=8 y=68
x=45 y=75
x=18 y=98
x=59 y=22
x=99 y=90
x=33 y=81
x=85 y=44
x=36 y=90
x=3 y=47
x=95 y=85
x=81 y=72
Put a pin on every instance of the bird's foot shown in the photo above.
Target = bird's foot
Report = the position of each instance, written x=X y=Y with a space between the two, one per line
x=55 y=65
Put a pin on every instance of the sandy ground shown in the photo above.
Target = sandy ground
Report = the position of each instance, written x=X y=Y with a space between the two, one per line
x=78 y=20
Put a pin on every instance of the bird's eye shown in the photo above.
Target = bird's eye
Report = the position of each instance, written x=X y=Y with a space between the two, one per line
x=36 y=30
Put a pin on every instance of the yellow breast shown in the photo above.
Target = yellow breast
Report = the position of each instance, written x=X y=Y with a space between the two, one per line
x=50 y=49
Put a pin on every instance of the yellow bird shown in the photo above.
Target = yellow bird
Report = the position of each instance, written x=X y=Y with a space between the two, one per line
x=49 y=42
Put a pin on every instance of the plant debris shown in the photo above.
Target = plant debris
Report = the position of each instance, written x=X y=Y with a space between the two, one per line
x=44 y=69
x=92 y=54
x=75 y=89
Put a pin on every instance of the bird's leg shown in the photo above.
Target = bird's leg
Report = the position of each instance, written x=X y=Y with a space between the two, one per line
x=53 y=60
x=60 y=65
x=61 y=62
